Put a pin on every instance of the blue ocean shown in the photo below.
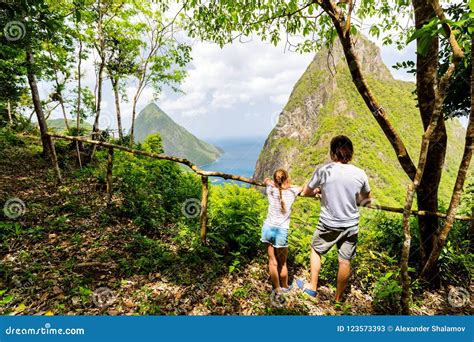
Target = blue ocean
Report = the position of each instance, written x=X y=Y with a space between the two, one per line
x=239 y=158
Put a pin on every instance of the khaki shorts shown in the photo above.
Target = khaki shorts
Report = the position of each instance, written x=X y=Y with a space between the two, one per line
x=345 y=239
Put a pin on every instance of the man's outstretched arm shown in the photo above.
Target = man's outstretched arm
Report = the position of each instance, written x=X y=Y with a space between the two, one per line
x=364 y=199
x=309 y=192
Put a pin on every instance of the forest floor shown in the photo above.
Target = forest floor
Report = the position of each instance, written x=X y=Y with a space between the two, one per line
x=69 y=254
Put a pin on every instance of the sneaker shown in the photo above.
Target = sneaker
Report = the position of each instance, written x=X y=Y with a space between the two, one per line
x=306 y=291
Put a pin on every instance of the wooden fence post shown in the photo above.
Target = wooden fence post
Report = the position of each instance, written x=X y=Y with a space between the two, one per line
x=54 y=159
x=203 y=215
x=110 y=165
x=78 y=154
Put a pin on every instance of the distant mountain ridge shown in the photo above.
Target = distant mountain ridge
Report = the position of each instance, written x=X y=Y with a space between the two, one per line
x=59 y=125
x=325 y=103
x=177 y=141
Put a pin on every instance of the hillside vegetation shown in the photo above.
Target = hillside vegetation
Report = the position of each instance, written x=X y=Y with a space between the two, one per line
x=67 y=246
x=177 y=141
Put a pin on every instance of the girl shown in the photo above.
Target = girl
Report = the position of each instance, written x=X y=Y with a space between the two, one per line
x=281 y=196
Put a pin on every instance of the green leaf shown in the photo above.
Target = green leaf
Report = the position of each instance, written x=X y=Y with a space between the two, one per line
x=6 y=300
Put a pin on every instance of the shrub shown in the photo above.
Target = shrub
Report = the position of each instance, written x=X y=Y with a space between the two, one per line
x=9 y=138
x=153 y=191
x=236 y=215
x=456 y=262
x=386 y=293
x=304 y=219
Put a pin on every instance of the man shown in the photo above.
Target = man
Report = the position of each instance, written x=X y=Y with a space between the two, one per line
x=342 y=187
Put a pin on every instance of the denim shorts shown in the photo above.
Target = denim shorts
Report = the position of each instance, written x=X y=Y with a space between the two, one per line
x=275 y=236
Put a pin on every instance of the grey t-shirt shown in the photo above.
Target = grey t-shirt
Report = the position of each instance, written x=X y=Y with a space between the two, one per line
x=275 y=216
x=340 y=185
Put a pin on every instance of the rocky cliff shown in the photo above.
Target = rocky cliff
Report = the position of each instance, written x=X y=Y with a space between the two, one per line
x=324 y=103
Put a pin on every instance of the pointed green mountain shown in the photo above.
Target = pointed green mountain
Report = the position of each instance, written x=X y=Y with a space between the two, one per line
x=177 y=141
x=325 y=103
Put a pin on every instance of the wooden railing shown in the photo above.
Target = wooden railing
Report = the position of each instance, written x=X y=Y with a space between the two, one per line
x=204 y=179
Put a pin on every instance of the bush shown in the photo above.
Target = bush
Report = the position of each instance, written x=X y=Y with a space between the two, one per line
x=304 y=219
x=236 y=216
x=456 y=262
x=73 y=131
x=153 y=190
x=386 y=293
x=9 y=138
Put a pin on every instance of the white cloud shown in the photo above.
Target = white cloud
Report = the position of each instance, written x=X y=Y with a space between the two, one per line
x=224 y=84
x=230 y=91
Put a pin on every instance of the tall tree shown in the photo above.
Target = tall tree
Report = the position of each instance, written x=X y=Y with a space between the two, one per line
x=123 y=41
x=12 y=83
x=30 y=25
x=162 y=57
x=458 y=101
x=60 y=62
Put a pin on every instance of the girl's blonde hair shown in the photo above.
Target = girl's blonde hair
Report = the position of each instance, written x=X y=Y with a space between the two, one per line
x=279 y=178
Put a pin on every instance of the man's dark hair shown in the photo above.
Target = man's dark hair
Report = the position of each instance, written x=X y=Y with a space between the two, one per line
x=341 y=149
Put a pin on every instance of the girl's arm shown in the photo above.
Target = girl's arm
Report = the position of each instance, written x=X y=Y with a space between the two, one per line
x=267 y=181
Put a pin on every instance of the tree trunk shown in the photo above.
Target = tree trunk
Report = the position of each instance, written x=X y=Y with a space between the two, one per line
x=426 y=81
x=405 y=257
x=46 y=140
x=79 y=94
x=9 y=112
x=37 y=103
x=117 y=106
x=59 y=93
x=95 y=128
x=430 y=267
x=203 y=213
x=63 y=109
x=101 y=51
x=134 y=113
